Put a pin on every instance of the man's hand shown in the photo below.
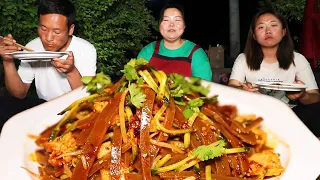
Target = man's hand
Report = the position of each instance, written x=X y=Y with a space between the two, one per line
x=64 y=66
x=67 y=67
x=13 y=82
x=7 y=45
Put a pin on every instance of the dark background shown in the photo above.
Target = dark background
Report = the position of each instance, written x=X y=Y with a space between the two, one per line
x=207 y=21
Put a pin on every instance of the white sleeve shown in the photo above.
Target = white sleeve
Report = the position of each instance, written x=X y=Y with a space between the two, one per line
x=304 y=72
x=88 y=62
x=25 y=72
x=238 y=69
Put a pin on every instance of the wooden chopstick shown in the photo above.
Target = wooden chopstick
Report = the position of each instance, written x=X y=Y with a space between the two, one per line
x=23 y=47
x=19 y=45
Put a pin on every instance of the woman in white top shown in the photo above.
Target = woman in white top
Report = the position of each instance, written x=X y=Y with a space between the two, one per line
x=269 y=57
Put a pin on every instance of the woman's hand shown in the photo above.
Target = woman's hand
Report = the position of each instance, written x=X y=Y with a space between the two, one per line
x=244 y=86
x=296 y=95
x=305 y=97
x=248 y=87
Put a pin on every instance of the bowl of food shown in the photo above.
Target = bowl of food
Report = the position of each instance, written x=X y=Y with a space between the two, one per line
x=150 y=125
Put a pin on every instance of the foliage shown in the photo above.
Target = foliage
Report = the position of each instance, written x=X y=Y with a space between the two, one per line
x=117 y=28
x=293 y=10
x=19 y=18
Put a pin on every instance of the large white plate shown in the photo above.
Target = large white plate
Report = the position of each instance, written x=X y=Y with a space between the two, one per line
x=300 y=157
x=37 y=55
x=282 y=86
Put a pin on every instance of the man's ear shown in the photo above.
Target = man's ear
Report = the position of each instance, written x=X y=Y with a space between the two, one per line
x=71 y=30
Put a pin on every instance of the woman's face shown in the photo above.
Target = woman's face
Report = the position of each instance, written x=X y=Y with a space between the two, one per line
x=53 y=31
x=268 y=31
x=172 y=25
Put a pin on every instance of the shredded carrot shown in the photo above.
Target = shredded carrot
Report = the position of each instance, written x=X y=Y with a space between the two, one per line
x=122 y=116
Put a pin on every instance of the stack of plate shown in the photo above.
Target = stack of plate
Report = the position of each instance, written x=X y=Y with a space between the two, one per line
x=282 y=86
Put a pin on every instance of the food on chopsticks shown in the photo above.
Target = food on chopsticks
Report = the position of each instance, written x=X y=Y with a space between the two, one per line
x=150 y=125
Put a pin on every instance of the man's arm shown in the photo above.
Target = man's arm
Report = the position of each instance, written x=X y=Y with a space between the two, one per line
x=13 y=82
x=74 y=78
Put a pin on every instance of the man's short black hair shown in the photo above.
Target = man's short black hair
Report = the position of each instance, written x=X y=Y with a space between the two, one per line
x=63 y=7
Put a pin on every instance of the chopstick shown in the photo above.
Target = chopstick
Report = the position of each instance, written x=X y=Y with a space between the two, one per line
x=19 y=45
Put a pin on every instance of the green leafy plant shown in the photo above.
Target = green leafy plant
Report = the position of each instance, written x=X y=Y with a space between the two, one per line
x=96 y=83
x=117 y=28
x=293 y=10
x=18 y=17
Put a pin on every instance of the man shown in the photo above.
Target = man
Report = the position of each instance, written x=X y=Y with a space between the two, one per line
x=52 y=78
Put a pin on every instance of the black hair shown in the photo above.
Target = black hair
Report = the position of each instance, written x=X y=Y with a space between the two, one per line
x=63 y=7
x=253 y=52
x=175 y=5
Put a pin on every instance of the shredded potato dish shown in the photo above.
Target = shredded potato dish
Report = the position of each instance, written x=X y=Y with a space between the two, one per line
x=152 y=125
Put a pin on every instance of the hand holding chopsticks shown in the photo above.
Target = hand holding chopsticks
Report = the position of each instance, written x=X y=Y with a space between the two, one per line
x=19 y=45
x=249 y=87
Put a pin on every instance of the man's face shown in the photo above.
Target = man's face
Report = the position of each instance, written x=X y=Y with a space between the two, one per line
x=54 y=32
